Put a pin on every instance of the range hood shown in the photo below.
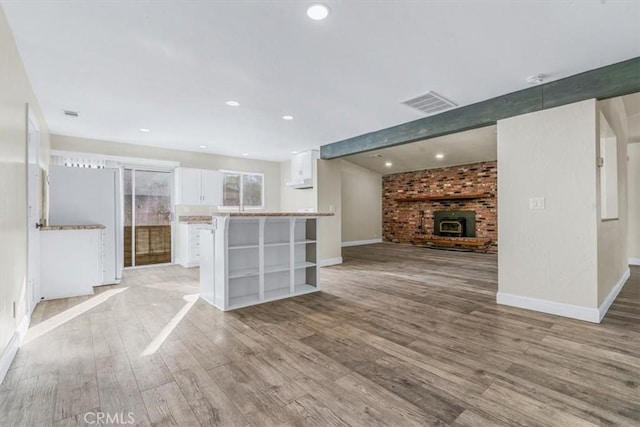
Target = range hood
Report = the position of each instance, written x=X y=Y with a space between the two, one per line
x=302 y=165
x=301 y=184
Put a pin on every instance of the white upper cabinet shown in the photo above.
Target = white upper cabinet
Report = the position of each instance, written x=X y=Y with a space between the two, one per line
x=302 y=169
x=197 y=187
x=211 y=188
x=188 y=190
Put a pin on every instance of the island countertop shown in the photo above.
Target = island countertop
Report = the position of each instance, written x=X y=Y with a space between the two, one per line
x=72 y=227
x=289 y=214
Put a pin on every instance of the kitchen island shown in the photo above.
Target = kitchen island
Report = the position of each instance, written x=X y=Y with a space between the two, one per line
x=249 y=258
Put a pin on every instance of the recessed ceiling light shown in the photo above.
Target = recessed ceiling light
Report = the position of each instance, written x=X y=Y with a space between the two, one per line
x=145 y=130
x=245 y=154
x=294 y=152
x=203 y=146
x=388 y=164
x=233 y=103
x=439 y=156
x=318 y=11
x=287 y=117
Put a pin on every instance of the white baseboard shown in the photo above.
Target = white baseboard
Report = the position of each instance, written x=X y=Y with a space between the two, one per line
x=634 y=261
x=12 y=347
x=361 y=242
x=606 y=304
x=589 y=314
x=330 y=261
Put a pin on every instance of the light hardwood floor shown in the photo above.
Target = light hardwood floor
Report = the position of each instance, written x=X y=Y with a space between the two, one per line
x=400 y=336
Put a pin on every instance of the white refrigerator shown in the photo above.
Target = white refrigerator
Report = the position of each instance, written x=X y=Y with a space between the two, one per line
x=84 y=196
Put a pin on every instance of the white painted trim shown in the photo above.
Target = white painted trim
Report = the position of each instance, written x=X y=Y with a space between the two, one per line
x=12 y=347
x=634 y=261
x=608 y=301
x=589 y=314
x=361 y=242
x=132 y=161
x=32 y=287
x=330 y=261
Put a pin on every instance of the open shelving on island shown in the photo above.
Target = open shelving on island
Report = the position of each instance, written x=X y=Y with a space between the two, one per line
x=252 y=260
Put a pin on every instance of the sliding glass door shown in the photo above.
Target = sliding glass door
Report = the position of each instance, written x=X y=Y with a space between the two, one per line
x=147 y=214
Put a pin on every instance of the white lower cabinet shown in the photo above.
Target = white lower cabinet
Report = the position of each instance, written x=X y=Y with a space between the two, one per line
x=71 y=262
x=251 y=260
x=188 y=244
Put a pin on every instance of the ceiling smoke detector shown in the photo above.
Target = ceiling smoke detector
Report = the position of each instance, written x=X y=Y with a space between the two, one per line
x=536 y=79
x=70 y=113
x=430 y=103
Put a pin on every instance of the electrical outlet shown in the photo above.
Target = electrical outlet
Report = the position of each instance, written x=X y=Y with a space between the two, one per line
x=536 y=203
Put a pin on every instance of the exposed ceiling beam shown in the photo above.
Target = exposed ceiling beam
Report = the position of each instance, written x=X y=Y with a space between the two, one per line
x=606 y=82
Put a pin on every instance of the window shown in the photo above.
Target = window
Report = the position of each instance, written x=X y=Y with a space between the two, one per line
x=242 y=189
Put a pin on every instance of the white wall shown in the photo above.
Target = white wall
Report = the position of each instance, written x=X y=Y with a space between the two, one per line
x=15 y=93
x=613 y=259
x=633 y=174
x=330 y=200
x=361 y=203
x=562 y=259
x=189 y=159
x=549 y=254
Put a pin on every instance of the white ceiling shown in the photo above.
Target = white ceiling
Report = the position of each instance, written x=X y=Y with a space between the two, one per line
x=477 y=145
x=170 y=66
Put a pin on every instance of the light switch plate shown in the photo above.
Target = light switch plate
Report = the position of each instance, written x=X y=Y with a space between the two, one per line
x=536 y=203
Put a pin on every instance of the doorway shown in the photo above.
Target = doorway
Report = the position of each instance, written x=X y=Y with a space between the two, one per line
x=147 y=217
x=34 y=203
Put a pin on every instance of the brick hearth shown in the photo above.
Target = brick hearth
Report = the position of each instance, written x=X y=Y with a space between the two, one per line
x=402 y=218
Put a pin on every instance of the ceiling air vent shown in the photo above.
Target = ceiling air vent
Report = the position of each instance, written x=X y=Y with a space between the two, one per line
x=70 y=113
x=430 y=103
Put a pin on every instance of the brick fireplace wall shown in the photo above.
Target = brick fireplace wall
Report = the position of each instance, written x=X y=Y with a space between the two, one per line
x=401 y=220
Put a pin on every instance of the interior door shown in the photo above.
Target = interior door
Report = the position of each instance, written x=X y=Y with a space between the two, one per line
x=34 y=201
x=147 y=230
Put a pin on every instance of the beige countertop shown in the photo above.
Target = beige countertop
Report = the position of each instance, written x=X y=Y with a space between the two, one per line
x=311 y=214
x=195 y=219
x=72 y=227
x=204 y=219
